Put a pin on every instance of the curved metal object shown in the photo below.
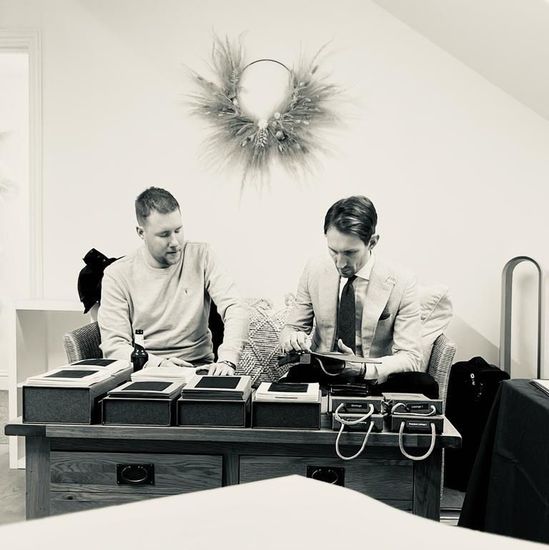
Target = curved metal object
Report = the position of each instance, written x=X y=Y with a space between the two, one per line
x=266 y=59
x=506 y=313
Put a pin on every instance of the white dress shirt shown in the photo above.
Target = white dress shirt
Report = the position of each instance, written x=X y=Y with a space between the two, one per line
x=360 y=286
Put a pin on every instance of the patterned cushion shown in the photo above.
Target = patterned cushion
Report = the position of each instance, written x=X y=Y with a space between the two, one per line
x=259 y=356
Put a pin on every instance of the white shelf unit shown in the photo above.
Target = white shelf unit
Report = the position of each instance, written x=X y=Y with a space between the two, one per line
x=35 y=345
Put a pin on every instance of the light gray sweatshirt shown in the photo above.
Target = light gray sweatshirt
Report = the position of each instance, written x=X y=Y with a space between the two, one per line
x=171 y=306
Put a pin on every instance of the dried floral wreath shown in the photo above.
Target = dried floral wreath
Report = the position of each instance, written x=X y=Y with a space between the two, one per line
x=289 y=134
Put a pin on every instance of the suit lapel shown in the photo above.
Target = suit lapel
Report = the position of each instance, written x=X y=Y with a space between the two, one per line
x=379 y=289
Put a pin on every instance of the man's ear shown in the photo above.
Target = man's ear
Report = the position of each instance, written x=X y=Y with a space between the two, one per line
x=373 y=241
x=139 y=231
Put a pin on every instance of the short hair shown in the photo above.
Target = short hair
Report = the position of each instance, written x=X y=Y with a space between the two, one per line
x=154 y=198
x=354 y=215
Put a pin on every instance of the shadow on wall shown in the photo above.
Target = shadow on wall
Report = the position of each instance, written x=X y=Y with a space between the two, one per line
x=470 y=344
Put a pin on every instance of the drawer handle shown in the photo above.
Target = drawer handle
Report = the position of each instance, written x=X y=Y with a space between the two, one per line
x=334 y=476
x=135 y=474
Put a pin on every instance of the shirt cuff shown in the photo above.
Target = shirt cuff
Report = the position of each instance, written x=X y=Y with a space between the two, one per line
x=371 y=372
x=153 y=361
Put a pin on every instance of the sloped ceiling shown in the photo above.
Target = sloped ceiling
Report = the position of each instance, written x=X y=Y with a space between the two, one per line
x=505 y=41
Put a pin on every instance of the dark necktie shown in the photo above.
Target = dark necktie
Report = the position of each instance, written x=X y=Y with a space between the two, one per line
x=346 y=315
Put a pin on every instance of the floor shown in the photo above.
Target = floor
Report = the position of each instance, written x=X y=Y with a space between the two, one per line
x=12 y=490
x=450 y=506
x=12 y=484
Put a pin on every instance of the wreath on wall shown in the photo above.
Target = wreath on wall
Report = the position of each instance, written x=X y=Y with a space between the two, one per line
x=290 y=134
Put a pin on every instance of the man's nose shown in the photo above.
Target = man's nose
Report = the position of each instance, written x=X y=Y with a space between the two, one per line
x=173 y=240
x=340 y=262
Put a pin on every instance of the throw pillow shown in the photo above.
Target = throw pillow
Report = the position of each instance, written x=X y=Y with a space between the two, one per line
x=259 y=357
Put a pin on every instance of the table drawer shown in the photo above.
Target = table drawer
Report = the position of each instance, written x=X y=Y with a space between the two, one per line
x=167 y=474
x=63 y=502
x=379 y=478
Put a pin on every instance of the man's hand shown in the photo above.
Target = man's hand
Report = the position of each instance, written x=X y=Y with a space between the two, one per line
x=363 y=369
x=343 y=348
x=220 y=369
x=174 y=362
x=295 y=340
x=356 y=368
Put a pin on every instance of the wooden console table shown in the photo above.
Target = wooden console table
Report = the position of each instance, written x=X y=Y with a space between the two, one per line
x=74 y=467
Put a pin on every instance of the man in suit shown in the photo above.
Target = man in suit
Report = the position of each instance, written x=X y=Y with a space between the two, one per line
x=359 y=304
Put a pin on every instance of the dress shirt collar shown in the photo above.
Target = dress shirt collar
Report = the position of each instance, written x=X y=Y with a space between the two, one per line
x=366 y=270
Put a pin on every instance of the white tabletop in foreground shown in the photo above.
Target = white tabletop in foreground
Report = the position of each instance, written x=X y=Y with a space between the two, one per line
x=283 y=513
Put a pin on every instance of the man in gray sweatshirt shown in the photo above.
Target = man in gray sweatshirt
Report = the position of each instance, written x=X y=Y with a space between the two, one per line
x=165 y=289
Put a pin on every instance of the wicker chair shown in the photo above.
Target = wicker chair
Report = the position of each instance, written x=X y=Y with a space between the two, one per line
x=440 y=363
x=83 y=343
x=439 y=367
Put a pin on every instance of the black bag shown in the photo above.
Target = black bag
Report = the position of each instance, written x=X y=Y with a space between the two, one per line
x=471 y=391
x=409 y=382
x=90 y=277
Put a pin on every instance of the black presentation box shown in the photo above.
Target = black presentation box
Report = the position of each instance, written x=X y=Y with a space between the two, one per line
x=286 y=415
x=352 y=404
x=416 y=424
x=68 y=405
x=416 y=403
x=229 y=413
x=377 y=420
x=133 y=411
x=287 y=406
x=142 y=403
x=215 y=401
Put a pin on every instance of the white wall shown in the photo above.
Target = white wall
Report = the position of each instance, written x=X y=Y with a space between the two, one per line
x=14 y=192
x=457 y=168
